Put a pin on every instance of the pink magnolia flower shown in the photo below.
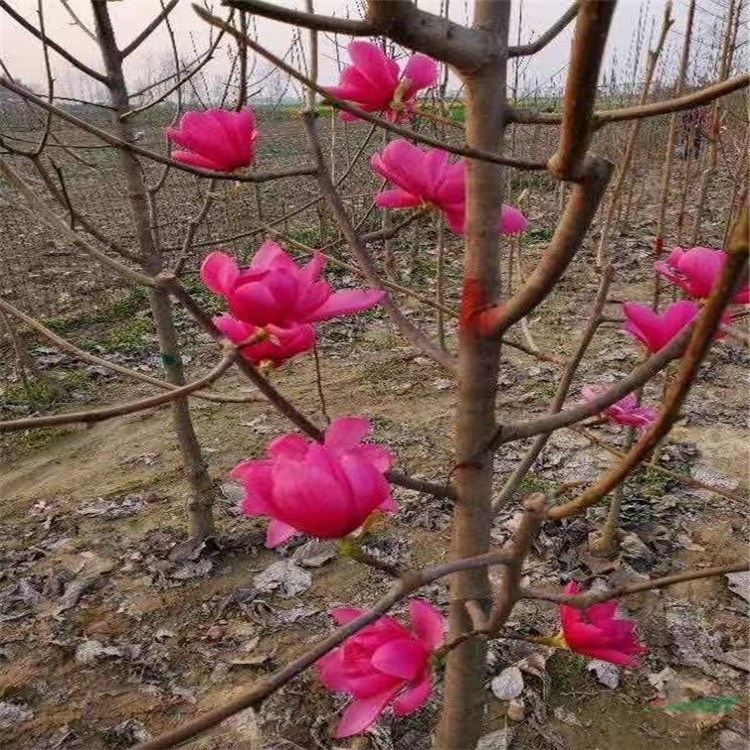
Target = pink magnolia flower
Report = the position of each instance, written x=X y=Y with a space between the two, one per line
x=697 y=271
x=216 y=139
x=427 y=177
x=275 y=290
x=279 y=345
x=626 y=411
x=597 y=632
x=326 y=490
x=384 y=663
x=374 y=85
x=655 y=331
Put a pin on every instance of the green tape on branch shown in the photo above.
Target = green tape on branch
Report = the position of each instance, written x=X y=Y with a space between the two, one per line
x=169 y=360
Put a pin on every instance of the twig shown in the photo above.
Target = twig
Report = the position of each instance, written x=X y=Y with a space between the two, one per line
x=100 y=415
x=72 y=59
x=583 y=601
x=85 y=356
x=552 y=33
x=146 y=33
x=515 y=479
x=368 y=267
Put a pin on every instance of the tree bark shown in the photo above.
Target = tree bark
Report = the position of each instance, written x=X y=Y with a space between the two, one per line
x=200 y=506
x=461 y=721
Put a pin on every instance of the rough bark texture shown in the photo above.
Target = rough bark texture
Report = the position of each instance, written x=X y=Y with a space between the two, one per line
x=201 y=487
x=461 y=722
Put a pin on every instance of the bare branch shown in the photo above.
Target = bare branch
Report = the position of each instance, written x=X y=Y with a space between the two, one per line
x=515 y=479
x=312 y=21
x=78 y=22
x=35 y=205
x=146 y=33
x=132 y=147
x=700 y=342
x=85 y=356
x=552 y=33
x=328 y=190
x=100 y=415
x=583 y=601
x=72 y=59
x=689 y=101
x=592 y=26
x=579 y=213
x=640 y=375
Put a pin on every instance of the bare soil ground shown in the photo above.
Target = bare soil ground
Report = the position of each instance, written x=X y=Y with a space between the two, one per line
x=115 y=626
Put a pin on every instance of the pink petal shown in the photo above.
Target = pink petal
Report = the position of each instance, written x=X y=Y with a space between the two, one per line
x=235 y=330
x=346 y=302
x=512 y=221
x=290 y=446
x=677 y=316
x=254 y=303
x=381 y=458
x=372 y=63
x=271 y=255
x=347 y=432
x=422 y=72
x=367 y=485
x=362 y=713
x=397 y=198
x=427 y=624
x=456 y=218
x=278 y=532
x=196 y=160
x=388 y=506
x=406 y=166
x=403 y=658
x=414 y=698
x=219 y=272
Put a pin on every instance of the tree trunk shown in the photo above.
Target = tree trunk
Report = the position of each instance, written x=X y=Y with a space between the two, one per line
x=201 y=487
x=461 y=722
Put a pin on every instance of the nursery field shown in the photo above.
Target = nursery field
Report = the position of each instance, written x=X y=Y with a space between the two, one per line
x=116 y=626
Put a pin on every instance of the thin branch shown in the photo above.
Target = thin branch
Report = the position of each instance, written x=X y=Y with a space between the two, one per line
x=640 y=375
x=72 y=59
x=34 y=205
x=253 y=696
x=583 y=601
x=50 y=83
x=365 y=262
x=515 y=479
x=472 y=153
x=579 y=213
x=312 y=21
x=100 y=415
x=531 y=522
x=78 y=22
x=682 y=478
x=85 y=356
x=132 y=147
x=653 y=109
x=146 y=33
x=592 y=26
x=552 y=33
x=703 y=333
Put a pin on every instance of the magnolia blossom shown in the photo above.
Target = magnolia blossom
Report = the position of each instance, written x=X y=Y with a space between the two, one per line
x=597 y=632
x=627 y=411
x=274 y=290
x=326 y=490
x=428 y=178
x=655 y=331
x=384 y=663
x=697 y=271
x=216 y=139
x=276 y=345
x=373 y=82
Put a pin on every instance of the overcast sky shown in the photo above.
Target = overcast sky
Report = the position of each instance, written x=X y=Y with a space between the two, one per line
x=22 y=54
